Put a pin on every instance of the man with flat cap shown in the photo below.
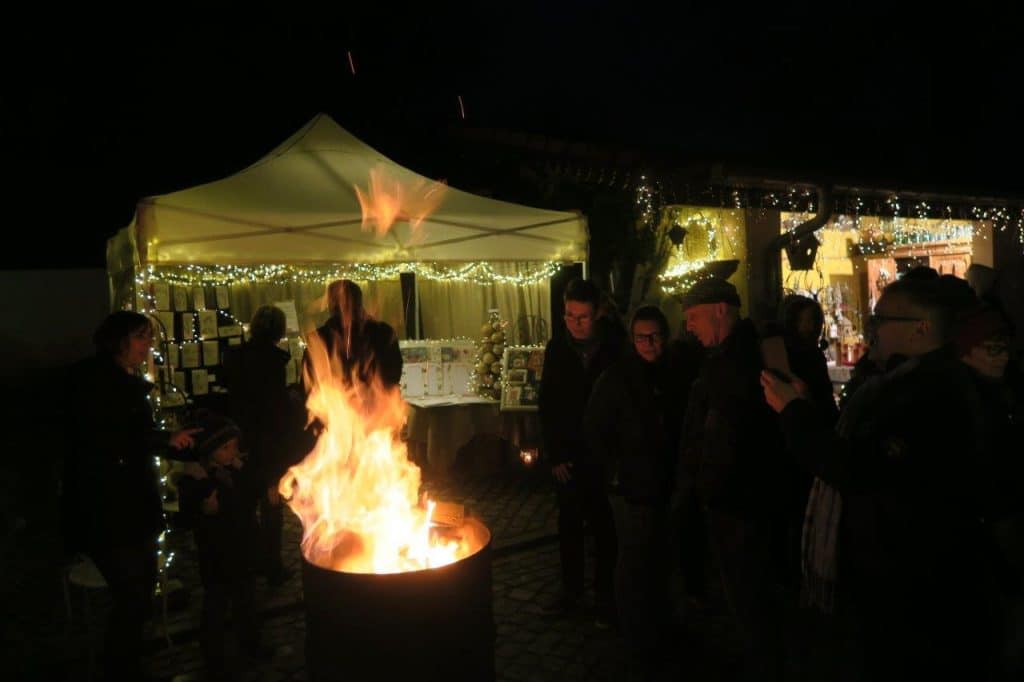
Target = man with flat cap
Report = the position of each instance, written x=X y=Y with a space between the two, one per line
x=731 y=459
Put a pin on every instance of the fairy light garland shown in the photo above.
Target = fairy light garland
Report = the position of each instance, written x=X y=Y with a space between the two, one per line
x=680 y=277
x=482 y=273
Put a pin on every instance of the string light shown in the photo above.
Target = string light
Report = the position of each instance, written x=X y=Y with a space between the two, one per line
x=680 y=277
x=482 y=273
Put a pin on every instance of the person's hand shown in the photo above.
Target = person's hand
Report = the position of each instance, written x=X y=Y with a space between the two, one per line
x=183 y=439
x=778 y=392
x=273 y=496
x=562 y=472
x=210 y=504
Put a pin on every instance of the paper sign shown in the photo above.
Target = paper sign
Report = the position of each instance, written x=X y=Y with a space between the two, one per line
x=173 y=355
x=459 y=374
x=230 y=330
x=190 y=355
x=188 y=331
x=200 y=382
x=179 y=380
x=290 y=315
x=167 y=322
x=198 y=298
x=235 y=341
x=161 y=295
x=222 y=297
x=291 y=375
x=180 y=298
x=413 y=375
x=208 y=324
x=211 y=355
x=435 y=379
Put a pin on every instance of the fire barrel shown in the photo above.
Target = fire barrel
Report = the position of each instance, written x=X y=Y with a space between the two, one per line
x=432 y=624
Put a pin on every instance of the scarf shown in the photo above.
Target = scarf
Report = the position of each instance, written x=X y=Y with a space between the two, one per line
x=819 y=542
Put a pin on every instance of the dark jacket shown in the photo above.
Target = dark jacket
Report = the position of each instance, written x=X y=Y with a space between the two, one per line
x=631 y=423
x=863 y=371
x=911 y=474
x=259 y=403
x=731 y=448
x=226 y=539
x=110 y=496
x=809 y=364
x=912 y=547
x=1002 y=405
x=374 y=351
x=568 y=376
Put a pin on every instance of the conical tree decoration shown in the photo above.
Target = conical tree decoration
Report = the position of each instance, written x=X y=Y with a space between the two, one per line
x=490 y=348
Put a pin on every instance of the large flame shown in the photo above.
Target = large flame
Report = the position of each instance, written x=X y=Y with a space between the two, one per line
x=387 y=200
x=356 y=492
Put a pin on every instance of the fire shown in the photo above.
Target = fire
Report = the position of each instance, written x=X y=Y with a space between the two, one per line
x=387 y=200
x=356 y=492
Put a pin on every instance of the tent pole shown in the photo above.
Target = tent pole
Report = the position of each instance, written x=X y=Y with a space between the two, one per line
x=416 y=303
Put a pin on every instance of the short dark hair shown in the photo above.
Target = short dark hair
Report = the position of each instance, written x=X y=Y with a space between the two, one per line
x=922 y=272
x=582 y=291
x=944 y=298
x=650 y=313
x=112 y=334
x=268 y=324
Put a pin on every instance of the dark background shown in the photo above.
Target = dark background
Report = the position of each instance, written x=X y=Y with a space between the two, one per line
x=100 y=110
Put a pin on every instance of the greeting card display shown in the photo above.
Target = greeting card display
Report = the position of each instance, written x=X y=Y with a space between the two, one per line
x=523 y=367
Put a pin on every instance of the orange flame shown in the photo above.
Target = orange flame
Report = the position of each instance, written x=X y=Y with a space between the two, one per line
x=387 y=200
x=356 y=492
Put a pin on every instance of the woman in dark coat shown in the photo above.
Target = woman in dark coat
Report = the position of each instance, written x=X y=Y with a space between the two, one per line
x=268 y=419
x=111 y=502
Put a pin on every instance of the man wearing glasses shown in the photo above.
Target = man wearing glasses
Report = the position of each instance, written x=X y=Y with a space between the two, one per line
x=909 y=464
x=572 y=363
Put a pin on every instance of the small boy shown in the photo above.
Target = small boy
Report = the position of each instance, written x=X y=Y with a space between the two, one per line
x=218 y=500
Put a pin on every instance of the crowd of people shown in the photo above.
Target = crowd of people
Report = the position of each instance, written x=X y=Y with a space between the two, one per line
x=227 y=479
x=899 y=510
x=900 y=514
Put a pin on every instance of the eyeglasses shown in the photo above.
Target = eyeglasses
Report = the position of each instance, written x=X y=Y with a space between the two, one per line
x=648 y=338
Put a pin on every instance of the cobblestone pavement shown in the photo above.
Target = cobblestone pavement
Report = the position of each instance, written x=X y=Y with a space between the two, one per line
x=518 y=508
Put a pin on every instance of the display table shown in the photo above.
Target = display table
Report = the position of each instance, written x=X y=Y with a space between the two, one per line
x=439 y=427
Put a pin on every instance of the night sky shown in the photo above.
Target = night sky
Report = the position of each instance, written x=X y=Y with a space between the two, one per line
x=99 y=112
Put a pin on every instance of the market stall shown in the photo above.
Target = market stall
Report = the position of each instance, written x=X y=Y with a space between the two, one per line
x=201 y=260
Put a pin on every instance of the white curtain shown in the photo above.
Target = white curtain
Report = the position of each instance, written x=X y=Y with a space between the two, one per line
x=459 y=309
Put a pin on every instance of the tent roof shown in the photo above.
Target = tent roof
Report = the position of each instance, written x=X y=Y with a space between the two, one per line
x=299 y=204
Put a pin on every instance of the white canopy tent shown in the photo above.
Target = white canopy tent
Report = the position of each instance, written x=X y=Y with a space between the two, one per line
x=298 y=205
